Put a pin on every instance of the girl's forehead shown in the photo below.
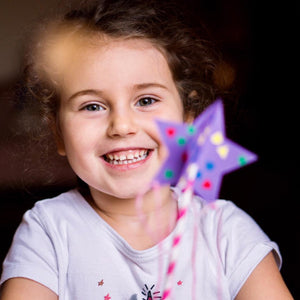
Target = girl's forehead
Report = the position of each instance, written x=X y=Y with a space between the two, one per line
x=126 y=45
x=118 y=63
x=67 y=49
x=110 y=52
x=107 y=44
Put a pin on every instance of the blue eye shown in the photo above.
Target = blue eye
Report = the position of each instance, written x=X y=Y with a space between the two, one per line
x=146 y=101
x=93 y=107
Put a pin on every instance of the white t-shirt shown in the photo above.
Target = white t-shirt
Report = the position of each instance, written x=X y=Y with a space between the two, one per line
x=65 y=245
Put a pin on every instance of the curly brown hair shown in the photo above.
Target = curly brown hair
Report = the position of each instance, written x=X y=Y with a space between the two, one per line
x=190 y=57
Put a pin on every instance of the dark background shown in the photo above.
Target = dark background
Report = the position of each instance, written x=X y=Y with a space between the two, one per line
x=258 y=40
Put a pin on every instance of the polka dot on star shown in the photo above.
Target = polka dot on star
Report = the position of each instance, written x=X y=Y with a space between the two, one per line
x=210 y=165
x=184 y=157
x=242 y=160
x=181 y=141
x=217 y=138
x=169 y=174
x=191 y=130
x=170 y=132
x=206 y=184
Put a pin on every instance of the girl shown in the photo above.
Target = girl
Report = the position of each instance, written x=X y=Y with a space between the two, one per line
x=102 y=74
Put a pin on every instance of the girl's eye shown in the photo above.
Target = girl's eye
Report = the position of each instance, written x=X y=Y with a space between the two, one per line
x=93 y=107
x=146 y=101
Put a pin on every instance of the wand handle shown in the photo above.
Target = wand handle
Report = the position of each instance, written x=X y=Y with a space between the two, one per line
x=187 y=188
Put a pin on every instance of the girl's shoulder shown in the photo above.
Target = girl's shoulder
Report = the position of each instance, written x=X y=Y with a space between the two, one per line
x=64 y=207
x=62 y=200
x=223 y=215
x=224 y=221
x=219 y=209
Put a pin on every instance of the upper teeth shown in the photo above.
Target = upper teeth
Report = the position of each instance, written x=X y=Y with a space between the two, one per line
x=125 y=158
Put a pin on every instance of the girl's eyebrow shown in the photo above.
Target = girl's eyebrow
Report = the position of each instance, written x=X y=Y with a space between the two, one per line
x=137 y=87
x=91 y=92
x=141 y=86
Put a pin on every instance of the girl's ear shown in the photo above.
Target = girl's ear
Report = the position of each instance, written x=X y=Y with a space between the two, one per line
x=60 y=145
x=189 y=117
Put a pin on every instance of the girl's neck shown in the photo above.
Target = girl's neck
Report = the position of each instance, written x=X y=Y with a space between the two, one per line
x=143 y=221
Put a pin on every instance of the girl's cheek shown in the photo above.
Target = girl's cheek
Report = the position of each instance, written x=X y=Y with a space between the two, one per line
x=154 y=133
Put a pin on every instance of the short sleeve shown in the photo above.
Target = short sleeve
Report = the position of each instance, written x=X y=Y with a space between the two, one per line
x=32 y=254
x=242 y=245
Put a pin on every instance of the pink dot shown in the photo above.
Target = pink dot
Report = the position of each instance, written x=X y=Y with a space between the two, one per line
x=170 y=131
x=206 y=184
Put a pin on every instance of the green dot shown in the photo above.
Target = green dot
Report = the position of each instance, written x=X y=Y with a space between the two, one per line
x=169 y=174
x=242 y=160
x=191 y=130
x=181 y=141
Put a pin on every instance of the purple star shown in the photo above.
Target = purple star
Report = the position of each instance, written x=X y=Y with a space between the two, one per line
x=204 y=143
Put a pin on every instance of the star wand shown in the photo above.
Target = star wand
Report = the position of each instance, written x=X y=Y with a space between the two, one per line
x=199 y=155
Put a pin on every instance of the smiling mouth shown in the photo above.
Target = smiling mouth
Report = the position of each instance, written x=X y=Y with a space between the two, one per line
x=126 y=157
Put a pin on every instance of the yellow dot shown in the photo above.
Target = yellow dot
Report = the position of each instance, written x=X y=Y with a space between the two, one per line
x=223 y=151
x=217 y=138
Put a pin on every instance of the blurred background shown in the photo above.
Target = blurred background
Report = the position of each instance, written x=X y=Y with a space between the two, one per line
x=258 y=40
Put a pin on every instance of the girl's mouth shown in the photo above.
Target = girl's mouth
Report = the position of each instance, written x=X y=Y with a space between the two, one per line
x=126 y=157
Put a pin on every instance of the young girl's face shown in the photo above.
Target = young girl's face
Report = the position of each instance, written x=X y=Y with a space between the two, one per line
x=110 y=96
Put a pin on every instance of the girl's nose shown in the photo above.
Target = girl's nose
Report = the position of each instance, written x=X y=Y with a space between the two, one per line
x=122 y=124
